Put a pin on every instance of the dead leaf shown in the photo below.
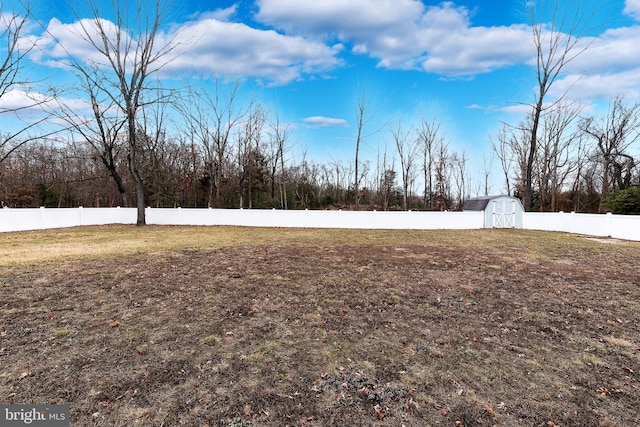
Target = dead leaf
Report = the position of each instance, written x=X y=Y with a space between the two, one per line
x=127 y=393
x=412 y=405
x=106 y=404
x=24 y=375
x=114 y=324
x=379 y=412
x=488 y=410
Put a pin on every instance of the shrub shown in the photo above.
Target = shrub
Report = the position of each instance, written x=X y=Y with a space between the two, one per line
x=626 y=202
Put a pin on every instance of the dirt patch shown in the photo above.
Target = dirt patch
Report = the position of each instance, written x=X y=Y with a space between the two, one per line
x=607 y=240
x=329 y=334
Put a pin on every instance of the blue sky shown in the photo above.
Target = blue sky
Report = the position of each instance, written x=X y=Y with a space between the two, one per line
x=467 y=63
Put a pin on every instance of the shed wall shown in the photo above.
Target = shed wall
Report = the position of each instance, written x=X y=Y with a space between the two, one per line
x=499 y=211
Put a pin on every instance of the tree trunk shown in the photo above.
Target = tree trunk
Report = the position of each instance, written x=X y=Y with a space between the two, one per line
x=121 y=189
x=139 y=186
x=284 y=181
x=533 y=145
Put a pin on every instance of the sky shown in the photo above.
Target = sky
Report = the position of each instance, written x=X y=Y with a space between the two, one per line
x=467 y=64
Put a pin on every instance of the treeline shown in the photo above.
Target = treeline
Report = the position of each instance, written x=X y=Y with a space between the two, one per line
x=582 y=163
x=227 y=155
x=119 y=137
x=241 y=159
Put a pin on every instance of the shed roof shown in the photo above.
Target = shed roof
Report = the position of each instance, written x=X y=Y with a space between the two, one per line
x=480 y=203
x=477 y=203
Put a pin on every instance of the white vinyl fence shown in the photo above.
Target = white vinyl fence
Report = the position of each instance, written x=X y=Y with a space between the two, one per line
x=602 y=225
x=617 y=226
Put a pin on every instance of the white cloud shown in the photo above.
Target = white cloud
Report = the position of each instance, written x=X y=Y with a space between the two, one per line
x=64 y=41
x=632 y=8
x=615 y=49
x=214 y=48
x=17 y=99
x=209 y=47
x=219 y=14
x=400 y=34
x=19 y=109
x=588 y=87
x=609 y=66
x=345 y=18
x=404 y=34
x=476 y=50
x=320 y=121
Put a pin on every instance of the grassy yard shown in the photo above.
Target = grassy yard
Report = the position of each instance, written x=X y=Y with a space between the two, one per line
x=225 y=326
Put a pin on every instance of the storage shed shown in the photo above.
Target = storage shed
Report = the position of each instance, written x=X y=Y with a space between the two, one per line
x=499 y=211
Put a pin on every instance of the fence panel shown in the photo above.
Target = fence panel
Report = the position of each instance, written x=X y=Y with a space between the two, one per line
x=618 y=226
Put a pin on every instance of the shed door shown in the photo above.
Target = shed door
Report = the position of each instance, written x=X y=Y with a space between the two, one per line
x=504 y=213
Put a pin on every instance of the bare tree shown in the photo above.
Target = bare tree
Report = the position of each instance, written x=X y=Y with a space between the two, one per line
x=11 y=26
x=486 y=173
x=212 y=117
x=512 y=148
x=408 y=149
x=278 y=137
x=387 y=185
x=306 y=178
x=429 y=138
x=363 y=119
x=582 y=177
x=385 y=178
x=501 y=148
x=614 y=134
x=459 y=169
x=250 y=158
x=557 y=152
x=155 y=150
x=341 y=178
x=557 y=44
x=102 y=129
x=442 y=185
x=16 y=48
x=361 y=111
x=129 y=56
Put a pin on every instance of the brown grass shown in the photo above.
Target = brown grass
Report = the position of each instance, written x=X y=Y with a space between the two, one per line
x=272 y=327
